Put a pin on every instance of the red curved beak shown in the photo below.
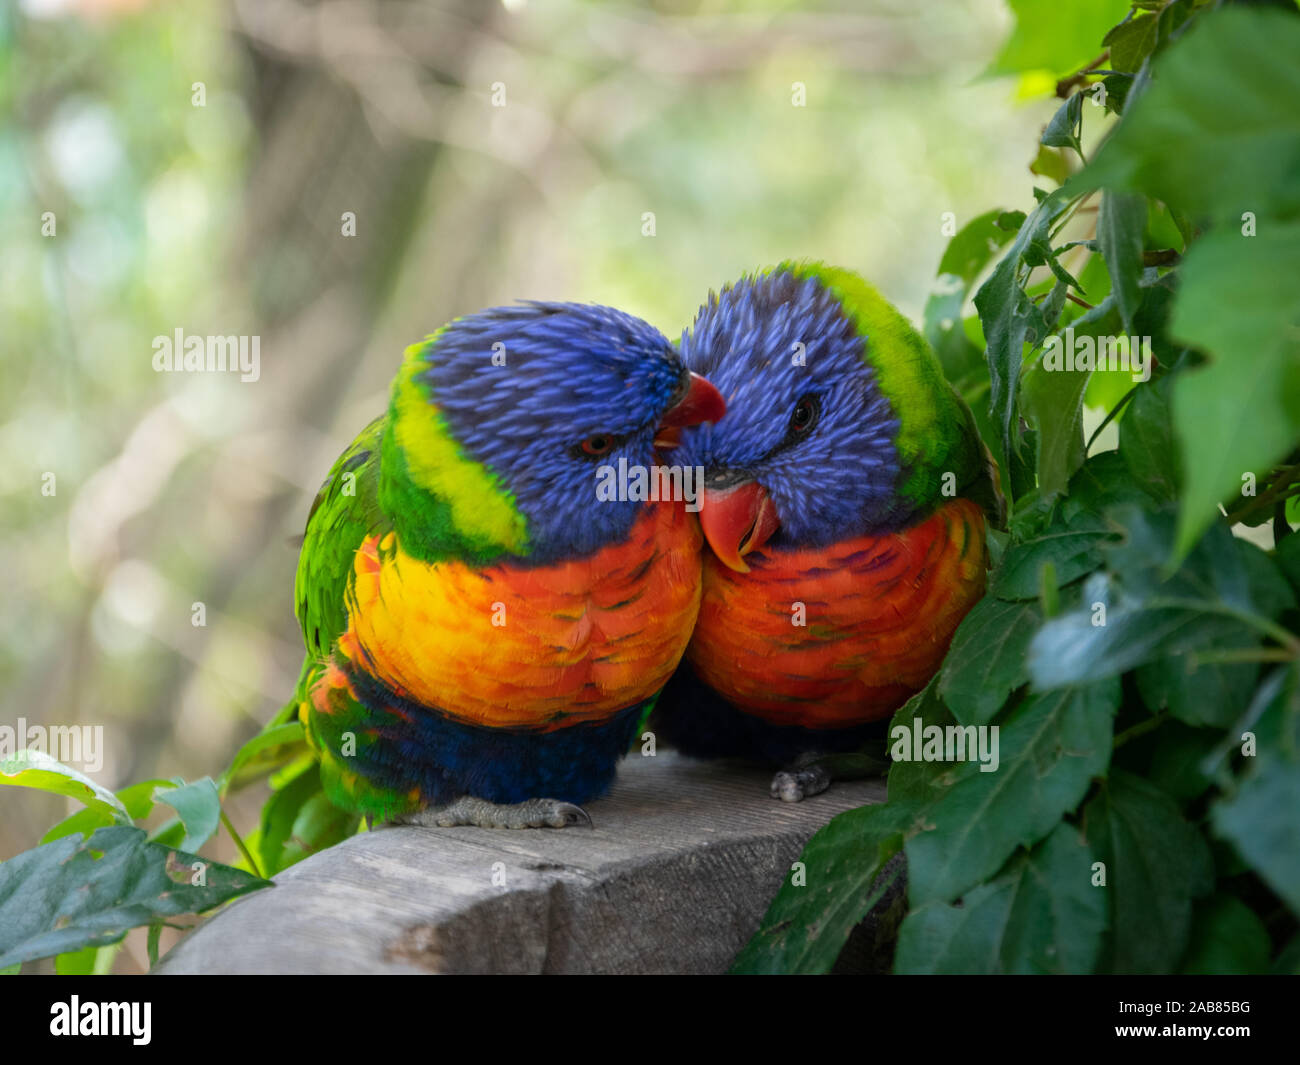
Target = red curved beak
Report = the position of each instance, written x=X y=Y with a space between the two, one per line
x=736 y=521
x=702 y=403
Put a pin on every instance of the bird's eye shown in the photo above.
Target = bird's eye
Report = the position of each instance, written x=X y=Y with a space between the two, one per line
x=600 y=444
x=805 y=415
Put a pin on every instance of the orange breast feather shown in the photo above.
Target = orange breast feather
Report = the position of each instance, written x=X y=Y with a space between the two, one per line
x=544 y=647
x=879 y=613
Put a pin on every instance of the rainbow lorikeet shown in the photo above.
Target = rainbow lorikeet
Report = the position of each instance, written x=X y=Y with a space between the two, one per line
x=482 y=633
x=845 y=498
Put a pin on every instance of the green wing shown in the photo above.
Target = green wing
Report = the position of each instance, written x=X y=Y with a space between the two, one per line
x=345 y=512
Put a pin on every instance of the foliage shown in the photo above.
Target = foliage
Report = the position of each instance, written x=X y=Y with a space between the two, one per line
x=1141 y=663
x=76 y=893
x=77 y=912
x=222 y=216
x=1164 y=743
x=96 y=875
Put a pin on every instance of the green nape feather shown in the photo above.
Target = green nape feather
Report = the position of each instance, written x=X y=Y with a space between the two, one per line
x=444 y=505
x=937 y=432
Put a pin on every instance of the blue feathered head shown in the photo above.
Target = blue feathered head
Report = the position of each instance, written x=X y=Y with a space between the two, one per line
x=515 y=409
x=808 y=441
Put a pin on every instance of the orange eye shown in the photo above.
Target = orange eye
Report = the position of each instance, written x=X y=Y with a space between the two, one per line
x=600 y=444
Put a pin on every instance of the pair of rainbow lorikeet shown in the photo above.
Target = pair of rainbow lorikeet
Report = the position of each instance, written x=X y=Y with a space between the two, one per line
x=484 y=634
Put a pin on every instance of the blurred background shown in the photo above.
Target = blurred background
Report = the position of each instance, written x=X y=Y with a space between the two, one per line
x=198 y=159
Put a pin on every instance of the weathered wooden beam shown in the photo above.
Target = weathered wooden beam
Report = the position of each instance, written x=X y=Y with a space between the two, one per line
x=676 y=874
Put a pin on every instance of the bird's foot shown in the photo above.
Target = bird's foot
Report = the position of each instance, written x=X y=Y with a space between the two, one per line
x=813 y=773
x=467 y=810
x=798 y=783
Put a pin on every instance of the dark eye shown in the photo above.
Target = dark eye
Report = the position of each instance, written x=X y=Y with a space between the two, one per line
x=805 y=415
x=600 y=444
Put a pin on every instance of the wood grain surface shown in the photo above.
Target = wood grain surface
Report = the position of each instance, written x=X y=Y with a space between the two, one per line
x=674 y=877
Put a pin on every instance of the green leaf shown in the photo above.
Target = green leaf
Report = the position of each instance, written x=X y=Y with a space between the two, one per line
x=1010 y=221
x=199 y=808
x=1277 y=723
x=1217 y=132
x=968 y=253
x=83 y=822
x=77 y=962
x=1051 y=163
x=1173 y=14
x=74 y=893
x=1146 y=441
x=806 y=927
x=1063 y=130
x=1073 y=548
x=1049 y=590
x=1009 y=316
x=1050 y=749
x=1131 y=42
x=319 y=824
x=1145 y=616
x=152 y=941
x=1059 y=38
x=1087 y=643
x=1053 y=401
x=1054 y=304
x=89 y=961
x=1176 y=761
x=1054 y=398
x=1288 y=961
x=1116 y=88
x=137 y=798
x=1227 y=938
x=1262 y=820
x=1210 y=693
x=1040 y=915
x=1215 y=574
x=1162 y=228
x=921 y=781
x=1273 y=718
x=1022 y=464
x=278 y=817
x=291 y=770
x=986 y=660
x=1121 y=230
x=1240 y=303
x=270 y=748
x=169 y=833
x=1101 y=484
x=962 y=360
x=973 y=246
x=1156 y=864
x=36 y=769
x=1288 y=560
